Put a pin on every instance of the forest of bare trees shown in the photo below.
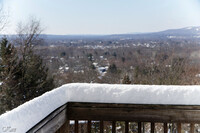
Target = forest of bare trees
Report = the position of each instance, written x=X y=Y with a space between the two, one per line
x=164 y=65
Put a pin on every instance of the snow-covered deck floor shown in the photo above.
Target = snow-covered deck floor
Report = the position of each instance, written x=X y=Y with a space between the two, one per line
x=29 y=114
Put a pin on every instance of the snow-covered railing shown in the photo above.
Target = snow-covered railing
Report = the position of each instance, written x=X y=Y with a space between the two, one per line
x=103 y=102
x=53 y=122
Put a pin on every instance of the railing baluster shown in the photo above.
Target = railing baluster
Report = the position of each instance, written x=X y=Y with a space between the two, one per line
x=89 y=126
x=76 y=126
x=101 y=127
x=126 y=126
x=113 y=126
x=191 y=127
x=152 y=127
x=165 y=128
x=179 y=127
x=139 y=127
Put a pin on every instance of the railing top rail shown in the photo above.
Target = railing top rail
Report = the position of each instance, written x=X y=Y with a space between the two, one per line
x=131 y=105
x=133 y=112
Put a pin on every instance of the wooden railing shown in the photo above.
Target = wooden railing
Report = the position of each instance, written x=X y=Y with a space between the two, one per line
x=58 y=121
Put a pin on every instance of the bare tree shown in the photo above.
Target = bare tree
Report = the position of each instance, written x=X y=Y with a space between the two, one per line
x=4 y=15
x=29 y=34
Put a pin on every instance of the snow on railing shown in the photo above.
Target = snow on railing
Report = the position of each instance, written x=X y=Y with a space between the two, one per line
x=24 y=117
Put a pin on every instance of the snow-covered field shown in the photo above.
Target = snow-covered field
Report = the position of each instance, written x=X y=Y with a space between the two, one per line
x=27 y=115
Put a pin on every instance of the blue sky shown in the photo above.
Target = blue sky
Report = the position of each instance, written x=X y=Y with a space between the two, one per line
x=104 y=16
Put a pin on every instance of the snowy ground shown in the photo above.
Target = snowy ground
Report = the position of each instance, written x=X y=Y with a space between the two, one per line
x=27 y=115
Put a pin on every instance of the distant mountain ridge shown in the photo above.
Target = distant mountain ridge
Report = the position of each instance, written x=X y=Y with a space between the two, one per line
x=182 y=33
x=187 y=33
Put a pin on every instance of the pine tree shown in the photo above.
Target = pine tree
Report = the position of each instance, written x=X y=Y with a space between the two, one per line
x=113 y=68
x=22 y=78
x=9 y=71
x=34 y=78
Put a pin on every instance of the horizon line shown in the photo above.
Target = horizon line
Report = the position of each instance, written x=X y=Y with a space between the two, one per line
x=130 y=33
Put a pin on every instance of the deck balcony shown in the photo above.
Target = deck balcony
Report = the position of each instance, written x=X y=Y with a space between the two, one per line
x=173 y=109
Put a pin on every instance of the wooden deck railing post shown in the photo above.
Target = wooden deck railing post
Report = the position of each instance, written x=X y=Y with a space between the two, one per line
x=139 y=127
x=191 y=127
x=152 y=127
x=165 y=128
x=76 y=126
x=179 y=127
x=101 y=127
x=89 y=126
x=113 y=126
x=126 y=126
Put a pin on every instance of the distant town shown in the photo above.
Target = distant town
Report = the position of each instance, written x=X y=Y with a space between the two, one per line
x=141 y=57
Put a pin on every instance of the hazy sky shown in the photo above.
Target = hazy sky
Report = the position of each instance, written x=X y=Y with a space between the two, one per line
x=104 y=16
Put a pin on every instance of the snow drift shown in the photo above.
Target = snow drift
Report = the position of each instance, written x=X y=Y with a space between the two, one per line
x=30 y=113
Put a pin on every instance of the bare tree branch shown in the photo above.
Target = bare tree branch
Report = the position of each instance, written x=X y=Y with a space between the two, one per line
x=28 y=35
x=3 y=18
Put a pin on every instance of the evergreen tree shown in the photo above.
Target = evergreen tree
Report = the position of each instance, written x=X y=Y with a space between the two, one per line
x=34 y=81
x=113 y=68
x=9 y=74
x=90 y=57
x=22 y=78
